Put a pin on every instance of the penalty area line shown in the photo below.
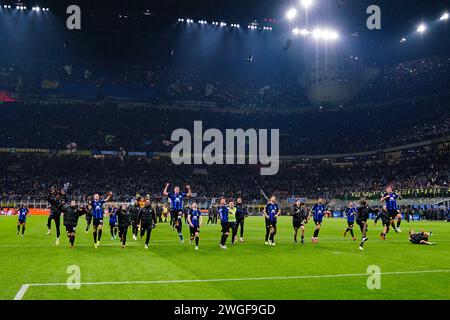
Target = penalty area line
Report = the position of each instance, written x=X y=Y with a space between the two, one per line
x=23 y=289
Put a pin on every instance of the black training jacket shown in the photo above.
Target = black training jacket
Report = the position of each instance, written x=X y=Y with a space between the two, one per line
x=363 y=213
x=240 y=212
x=71 y=215
x=134 y=212
x=123 y=218
x=56 y=205
x=299 y=213
x=147 y=216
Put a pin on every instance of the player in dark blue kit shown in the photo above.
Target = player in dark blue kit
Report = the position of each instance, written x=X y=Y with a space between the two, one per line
x=195 y=220
x=350 y=213
x=271 y=212
x=176 y=206
x=318 y=211
x=97 y=214
x=223 y=215
x=22 y=219
x=390 y=198
x=113 y=222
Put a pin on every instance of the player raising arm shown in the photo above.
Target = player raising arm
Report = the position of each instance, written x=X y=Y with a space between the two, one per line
x=97 y=214
x=390 y=199
x=176 y=206
x=57 y=199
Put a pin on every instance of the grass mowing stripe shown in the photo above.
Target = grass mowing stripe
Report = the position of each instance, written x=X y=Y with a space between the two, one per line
x=23 y=289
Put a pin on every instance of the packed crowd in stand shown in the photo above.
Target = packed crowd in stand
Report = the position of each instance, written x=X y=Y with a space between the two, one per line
x=111 y=127
x=423 y=174
x=421 y=77
x=406 y=103
x=428 y=76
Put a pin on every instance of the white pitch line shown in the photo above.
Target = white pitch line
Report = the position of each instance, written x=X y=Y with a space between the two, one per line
x=25 y=287
x=21 y=292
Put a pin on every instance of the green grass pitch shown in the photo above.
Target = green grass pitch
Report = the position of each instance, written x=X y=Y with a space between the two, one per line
x=285 y=271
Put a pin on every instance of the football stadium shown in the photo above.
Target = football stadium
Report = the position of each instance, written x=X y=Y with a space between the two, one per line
x=224 y=150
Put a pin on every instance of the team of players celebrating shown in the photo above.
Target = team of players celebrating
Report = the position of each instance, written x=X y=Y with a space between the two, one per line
x=141 y=216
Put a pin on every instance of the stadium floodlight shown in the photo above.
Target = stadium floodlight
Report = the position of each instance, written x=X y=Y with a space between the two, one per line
x=422 y=28
x=306 y=3
x=223 y=24
x=403 y=40
x=291 y=13
x=320 y=34
x=444 y=17
x=317 y=33
x=304 y=32
x=330 y=35
x=296 y=31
